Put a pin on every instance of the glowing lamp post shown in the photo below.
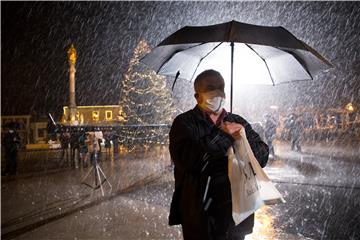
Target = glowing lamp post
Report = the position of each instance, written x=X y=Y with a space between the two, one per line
x=72 y=61
x=349 y=107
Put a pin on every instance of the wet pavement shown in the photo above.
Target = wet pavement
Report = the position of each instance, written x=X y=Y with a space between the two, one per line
x=37 y=199
x=320 y=185
x=322 y=190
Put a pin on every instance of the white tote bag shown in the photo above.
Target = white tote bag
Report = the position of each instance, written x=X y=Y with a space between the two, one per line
x=251 y=188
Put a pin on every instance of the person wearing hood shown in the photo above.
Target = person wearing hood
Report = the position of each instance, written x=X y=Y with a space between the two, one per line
x=199 y=140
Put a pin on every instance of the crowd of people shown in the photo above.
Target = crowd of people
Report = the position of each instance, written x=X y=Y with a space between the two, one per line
x=84 y=146
x=80 y=146
x=293 y=127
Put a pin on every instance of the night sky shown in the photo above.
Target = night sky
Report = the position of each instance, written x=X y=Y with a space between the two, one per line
x=36 y=35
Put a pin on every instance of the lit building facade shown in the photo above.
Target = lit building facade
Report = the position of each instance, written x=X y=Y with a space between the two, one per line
x=106 y=115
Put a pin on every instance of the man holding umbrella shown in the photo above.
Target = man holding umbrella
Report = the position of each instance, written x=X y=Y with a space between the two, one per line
x=200 y=137
x=199 y=140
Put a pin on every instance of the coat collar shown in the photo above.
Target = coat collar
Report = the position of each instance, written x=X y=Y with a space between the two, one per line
x=202 y=116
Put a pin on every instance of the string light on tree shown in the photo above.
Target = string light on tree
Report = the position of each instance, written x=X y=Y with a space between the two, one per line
x=145 y=99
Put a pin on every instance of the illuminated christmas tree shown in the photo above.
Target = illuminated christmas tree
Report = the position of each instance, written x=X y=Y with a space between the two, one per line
x=145 y=97
x=145 y=100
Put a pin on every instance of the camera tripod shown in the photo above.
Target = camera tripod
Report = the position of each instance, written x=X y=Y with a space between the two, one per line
x=98 y=172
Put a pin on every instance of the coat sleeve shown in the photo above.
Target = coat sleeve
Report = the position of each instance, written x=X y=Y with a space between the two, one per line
x=189 y=149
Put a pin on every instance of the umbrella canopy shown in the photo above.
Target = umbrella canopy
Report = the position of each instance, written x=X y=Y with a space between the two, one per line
x=246 y=53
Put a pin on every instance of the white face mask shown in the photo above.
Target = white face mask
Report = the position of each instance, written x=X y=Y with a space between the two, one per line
x=212 y=102
x=215 y=104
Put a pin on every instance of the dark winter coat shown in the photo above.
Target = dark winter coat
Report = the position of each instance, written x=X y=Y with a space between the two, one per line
x=270 y=128
x=107 y=141
x=82 y=144
x=74 y=140
x=11 y=142
x=65 y=140
x=198 y=148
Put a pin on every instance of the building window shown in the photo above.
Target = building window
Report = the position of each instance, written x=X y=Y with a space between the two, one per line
x=41 y=132
x=95 y=116
x=108 y=115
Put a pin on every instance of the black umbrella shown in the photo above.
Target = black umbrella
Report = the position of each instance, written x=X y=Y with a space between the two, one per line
x=251 y=53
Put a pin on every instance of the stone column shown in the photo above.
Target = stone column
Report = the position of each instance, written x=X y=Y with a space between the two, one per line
x=72 y=70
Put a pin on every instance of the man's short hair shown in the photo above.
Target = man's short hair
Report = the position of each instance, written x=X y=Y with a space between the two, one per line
x=206 y=75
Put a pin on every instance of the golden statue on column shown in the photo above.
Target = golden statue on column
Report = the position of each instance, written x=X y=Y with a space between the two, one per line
x=72 y=104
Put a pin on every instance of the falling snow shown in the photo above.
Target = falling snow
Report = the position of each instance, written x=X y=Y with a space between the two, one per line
x=47 y=200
